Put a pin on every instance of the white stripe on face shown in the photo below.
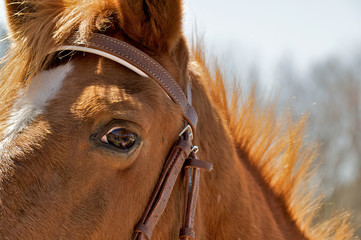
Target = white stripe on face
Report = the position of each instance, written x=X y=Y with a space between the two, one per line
x=32 y=101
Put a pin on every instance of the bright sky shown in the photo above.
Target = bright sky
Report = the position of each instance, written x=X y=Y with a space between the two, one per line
x=261 y=32
x=2 y=13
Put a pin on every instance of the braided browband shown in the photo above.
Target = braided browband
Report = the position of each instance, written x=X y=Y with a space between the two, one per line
x=139 y=62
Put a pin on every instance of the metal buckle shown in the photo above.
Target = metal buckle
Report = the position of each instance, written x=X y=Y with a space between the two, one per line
x=188 y=129
x=195 y=149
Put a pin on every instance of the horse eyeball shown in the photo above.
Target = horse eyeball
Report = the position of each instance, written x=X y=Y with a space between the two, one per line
x=120 y=137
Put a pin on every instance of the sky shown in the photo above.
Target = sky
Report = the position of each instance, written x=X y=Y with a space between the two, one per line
x=2 y=12
x=262 y=32
x=245 y=33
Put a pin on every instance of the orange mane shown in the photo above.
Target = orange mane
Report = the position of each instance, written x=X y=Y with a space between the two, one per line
x=276 y=148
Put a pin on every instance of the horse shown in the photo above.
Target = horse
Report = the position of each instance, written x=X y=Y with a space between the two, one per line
x=112 y=127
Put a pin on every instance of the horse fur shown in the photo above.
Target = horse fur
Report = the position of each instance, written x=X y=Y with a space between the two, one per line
x=247 y=196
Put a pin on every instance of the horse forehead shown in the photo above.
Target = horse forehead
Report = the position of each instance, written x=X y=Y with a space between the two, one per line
x=99 y=84
x=98 y=91
x=32 y=100
x=114 y=99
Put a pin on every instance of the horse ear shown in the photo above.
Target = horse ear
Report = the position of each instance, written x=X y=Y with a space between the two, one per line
x=156 y=24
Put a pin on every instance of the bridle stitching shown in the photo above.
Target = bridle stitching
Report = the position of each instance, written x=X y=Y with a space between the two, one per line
x=140 y=64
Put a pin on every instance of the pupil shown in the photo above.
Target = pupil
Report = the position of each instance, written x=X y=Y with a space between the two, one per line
x=121 y=138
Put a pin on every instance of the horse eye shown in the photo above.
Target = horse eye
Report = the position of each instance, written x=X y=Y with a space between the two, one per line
x=120 y=137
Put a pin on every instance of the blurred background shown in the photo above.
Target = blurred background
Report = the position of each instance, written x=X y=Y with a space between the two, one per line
x=307 y=54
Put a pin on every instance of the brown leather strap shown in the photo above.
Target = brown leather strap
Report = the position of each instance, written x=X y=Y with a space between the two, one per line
x=197 y=163
x=186 y=232
x=192 y=166
x=144 y=62
x=144 y=65
x=191 y=194
x=163 y=189
x=143 y=229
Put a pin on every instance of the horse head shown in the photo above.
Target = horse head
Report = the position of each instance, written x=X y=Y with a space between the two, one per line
x=99 y=116
x=87 y=138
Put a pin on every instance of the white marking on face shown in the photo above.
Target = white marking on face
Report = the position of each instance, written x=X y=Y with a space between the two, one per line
x=32 y=101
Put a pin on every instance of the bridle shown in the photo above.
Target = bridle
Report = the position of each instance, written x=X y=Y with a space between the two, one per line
x=183 y=153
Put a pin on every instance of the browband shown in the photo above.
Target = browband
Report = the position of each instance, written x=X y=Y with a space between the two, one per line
x=139 y=62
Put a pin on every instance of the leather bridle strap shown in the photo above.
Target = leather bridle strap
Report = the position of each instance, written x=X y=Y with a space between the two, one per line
x=137 y=61
x=192 y=166
x=183 y=153
x=164 y=187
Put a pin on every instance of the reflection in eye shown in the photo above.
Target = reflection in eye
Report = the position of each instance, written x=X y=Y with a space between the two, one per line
x=120 y=137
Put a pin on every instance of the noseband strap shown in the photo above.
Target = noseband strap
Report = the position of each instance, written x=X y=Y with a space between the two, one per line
x=183 y=153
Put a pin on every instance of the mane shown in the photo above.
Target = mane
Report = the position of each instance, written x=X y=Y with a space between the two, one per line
x=276 y=148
